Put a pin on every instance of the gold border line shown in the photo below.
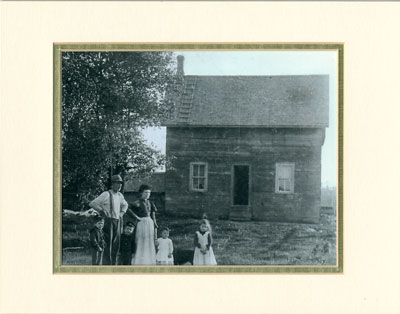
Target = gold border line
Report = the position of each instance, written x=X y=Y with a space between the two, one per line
x=58 y=268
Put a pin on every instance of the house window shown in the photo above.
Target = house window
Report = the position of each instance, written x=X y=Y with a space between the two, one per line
x=198 y=176
x=284 y=178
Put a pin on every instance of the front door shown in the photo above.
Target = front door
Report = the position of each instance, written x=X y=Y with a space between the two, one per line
x=241 y=176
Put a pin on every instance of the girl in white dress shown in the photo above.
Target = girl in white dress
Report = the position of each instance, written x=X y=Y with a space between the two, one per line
x=165 y=248
x=203 y=252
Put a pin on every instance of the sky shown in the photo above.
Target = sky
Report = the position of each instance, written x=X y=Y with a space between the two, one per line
x=268 y=63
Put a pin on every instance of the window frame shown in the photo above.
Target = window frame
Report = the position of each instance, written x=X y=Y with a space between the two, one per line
x=284 y=164
x=191 y=176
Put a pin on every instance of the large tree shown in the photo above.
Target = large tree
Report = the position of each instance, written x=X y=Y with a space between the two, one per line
x=107 y=98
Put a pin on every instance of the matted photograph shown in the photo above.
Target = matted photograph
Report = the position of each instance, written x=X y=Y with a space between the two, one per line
x=198 y=158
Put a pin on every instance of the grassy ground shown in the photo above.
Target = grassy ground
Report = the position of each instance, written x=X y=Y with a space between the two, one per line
x=235 y=243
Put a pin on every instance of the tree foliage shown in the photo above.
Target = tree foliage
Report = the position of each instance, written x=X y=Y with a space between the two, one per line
x=107 y=97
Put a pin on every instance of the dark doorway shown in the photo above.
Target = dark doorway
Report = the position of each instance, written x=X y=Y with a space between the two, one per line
x=241 y=185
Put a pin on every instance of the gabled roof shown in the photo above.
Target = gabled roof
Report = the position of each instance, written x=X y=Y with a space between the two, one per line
x=253 y=101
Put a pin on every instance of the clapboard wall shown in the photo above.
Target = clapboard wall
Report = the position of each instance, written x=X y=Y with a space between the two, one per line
x=261 y=149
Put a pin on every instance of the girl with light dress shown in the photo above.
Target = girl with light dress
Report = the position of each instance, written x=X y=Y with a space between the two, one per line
x=203 y=252
x=165 y=248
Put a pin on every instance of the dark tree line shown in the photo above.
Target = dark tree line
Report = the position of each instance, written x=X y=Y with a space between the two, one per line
x=107 y=98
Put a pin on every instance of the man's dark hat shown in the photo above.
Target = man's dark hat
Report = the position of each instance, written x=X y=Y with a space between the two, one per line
x=130 y=224
x=116 y=178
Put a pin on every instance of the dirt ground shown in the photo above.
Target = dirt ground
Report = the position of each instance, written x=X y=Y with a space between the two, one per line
x=235 y=242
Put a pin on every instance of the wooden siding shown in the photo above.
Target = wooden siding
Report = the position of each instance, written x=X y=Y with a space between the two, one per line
x=261 y=149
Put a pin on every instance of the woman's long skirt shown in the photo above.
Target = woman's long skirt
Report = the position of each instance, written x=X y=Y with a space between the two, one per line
x=145 y=249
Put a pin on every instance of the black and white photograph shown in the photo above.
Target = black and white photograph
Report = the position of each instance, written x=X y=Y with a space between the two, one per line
x=221 y=157
x=199 y=157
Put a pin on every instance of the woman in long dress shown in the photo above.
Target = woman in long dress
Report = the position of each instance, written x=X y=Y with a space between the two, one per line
x=145 y=213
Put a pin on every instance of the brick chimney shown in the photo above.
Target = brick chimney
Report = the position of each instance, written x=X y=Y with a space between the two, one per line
x=179 y=71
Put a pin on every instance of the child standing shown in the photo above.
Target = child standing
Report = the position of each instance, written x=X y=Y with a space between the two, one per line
x=127 y=247
x=97 y=241
x=165 y=248
x=203 y=252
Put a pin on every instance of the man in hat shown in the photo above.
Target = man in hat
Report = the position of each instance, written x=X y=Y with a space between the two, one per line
x=112 y=206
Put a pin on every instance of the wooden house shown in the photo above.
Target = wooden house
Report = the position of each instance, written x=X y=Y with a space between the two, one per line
x=247 y=147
